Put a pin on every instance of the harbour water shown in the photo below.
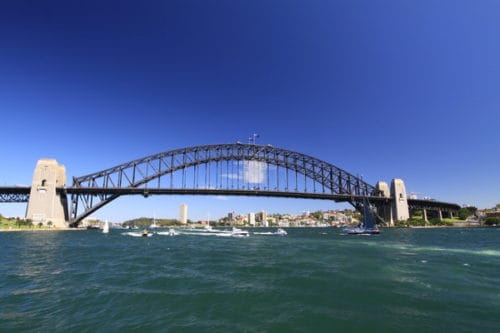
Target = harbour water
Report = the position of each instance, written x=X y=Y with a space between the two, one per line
x=313 y=280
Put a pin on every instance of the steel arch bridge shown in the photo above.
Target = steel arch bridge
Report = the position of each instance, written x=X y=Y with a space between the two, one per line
x=230 y=169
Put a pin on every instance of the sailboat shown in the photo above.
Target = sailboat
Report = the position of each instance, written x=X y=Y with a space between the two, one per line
x=368 y=226
x=105 y=228
x=154 y=225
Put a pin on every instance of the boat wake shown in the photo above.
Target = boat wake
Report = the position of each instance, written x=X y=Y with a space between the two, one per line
x=137 y=234
x=170 y=232
x=279 y=232
x=234 y=232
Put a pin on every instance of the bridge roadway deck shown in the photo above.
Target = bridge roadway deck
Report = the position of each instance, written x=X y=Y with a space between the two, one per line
x=236 y=192
x=7 y=193
x=14 y=193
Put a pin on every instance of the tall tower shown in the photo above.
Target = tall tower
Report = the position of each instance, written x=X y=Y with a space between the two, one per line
x=400 y=211
x=45 y=204
x=251 y=219
x=183 y=213
x=263 y=218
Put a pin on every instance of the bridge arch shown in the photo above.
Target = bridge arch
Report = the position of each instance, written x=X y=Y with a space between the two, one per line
x=234 y=169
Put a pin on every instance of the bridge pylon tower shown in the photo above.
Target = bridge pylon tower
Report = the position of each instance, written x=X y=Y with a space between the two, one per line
x=400 y=209
x=47 y=204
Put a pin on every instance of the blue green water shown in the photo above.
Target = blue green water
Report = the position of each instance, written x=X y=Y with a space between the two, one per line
x=313 y=280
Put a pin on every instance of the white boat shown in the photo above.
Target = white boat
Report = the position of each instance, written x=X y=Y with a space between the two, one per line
x=278 y=232
x=144 y=233
x=105 y=228
x=154 y=225
x=235 y=232
x=281 y=232
x=137 y=234
x=170 y=232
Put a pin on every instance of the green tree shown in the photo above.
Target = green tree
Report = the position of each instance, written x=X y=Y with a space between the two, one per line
x=465 y=212
x=49 y=224
x=492 y=221
x=317 y=215
x=418 y=213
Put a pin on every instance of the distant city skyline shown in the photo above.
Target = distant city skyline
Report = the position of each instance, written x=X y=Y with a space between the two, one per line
x=382 y=90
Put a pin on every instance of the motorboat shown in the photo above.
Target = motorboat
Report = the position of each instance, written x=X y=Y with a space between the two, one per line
x=278 y=232
x=281 y=232
x=234 y=232
x=170 y=232
x=138 y=234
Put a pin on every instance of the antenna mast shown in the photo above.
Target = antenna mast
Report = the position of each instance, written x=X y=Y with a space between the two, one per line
x=252 y=138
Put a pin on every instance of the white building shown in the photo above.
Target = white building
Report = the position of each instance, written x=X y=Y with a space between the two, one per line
x=183 y=213
x=251 y=219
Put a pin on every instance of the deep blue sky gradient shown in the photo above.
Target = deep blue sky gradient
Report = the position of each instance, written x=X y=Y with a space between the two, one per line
x=384 y=89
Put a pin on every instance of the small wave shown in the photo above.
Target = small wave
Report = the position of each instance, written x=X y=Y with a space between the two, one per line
x=198 y=233
x=409 y=248
x=12 y=315
x=29 y=291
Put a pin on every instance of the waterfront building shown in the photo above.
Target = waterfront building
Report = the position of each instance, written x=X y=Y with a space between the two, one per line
x=261 y=217
x=251 y=219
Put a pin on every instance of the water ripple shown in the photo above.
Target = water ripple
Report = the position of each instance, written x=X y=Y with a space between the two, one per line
x=311 y=280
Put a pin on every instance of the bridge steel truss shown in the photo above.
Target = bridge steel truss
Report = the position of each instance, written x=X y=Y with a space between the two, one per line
x=234 y=169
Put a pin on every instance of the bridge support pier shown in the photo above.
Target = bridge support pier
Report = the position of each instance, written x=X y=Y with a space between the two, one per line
x=440 y=215
x=400 y=208
x=45 y=203
x=424 y=214
x=385 y=211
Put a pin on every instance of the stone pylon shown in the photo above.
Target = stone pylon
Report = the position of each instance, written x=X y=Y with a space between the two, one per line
x=45 y=203
x=400 y=208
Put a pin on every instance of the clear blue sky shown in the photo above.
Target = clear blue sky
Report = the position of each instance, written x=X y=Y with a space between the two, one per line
x=385 y=89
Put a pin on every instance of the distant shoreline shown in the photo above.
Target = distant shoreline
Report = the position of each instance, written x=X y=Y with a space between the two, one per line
x=36 y=230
